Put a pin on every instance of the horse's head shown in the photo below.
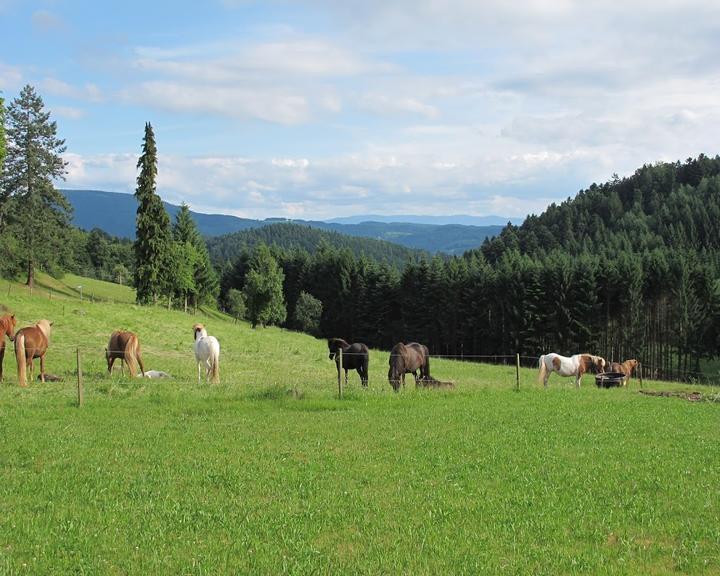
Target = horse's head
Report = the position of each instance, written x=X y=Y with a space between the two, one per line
x=632 y=364
x=599 y=364
x=199 y=331
x=332 y=348
x=10 y=327
x=397 y=365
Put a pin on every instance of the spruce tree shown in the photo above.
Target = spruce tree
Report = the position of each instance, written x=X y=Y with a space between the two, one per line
x=264 y=289
x=205 y=282
x=36 y=209
x=153 y=252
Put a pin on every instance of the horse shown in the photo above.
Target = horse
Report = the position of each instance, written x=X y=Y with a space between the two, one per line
x=125 y=346
x=404 y=358
x=355 y=356
x=576 y=366
x=31 y=342
x=626 y=368
x=207 y=351
x=7 y=328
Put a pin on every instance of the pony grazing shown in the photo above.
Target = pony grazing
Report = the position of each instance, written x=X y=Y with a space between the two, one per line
x=207 y=351
x=575 y=365
x=30 y=343
x=7 y=328
x=626 y=368
x=406 y=358
x=355 y=356
x=125 y=346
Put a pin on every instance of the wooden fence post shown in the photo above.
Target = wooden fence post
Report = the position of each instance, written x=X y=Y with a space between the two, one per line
x=340 y=369
x=80 y=391
x=517 y=372
x=640 y=373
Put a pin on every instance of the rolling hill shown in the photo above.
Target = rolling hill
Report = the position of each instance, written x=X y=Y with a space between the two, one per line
x=114 y=213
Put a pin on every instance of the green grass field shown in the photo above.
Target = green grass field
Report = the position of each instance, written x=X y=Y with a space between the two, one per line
x=269 y=472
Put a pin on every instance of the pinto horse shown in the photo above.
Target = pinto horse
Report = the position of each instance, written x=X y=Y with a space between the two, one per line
x=7 y=328
x=355 y=356
x=207 y=351
x=406 y=358
x=125 y=346
x=575 y=365
x=30 y=343
x=626 y=368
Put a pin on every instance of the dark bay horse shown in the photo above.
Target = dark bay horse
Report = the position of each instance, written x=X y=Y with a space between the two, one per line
x=7 y=328
x=125 y=346
x=406 y=358
x=355 y=356
x=30 y=343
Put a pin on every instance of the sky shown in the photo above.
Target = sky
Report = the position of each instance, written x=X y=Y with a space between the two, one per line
x=319 y=109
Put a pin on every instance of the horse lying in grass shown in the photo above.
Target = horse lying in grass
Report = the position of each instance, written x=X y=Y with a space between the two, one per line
x=576 y=365
x=355 y=356
x=430 y=382
x=7 y=328
x=408 y=358
x=30 y=343
x=626 y=368
x=125 y=346
x=207 y=351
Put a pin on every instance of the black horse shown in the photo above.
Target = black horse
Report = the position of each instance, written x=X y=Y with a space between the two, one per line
x=355 y=356
x=410 y=358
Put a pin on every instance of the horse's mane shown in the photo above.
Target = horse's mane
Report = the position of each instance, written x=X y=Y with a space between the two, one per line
x=44 y=327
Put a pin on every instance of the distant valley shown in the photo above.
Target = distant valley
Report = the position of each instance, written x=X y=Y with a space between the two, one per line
x=114 y=212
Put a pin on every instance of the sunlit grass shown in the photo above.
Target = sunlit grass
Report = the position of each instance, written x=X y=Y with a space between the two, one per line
x=269 y=472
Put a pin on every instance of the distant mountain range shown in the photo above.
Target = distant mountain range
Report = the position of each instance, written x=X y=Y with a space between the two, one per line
x=436 y=220
x=115 y=212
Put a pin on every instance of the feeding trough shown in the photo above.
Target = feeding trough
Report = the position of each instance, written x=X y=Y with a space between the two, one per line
x=609 y=379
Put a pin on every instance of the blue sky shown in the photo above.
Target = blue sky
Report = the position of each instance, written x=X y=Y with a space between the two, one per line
x=315 y=109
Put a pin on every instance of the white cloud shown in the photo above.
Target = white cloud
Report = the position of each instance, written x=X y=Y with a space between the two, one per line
x=90 y=92
x=10 y=76
x=68 y=112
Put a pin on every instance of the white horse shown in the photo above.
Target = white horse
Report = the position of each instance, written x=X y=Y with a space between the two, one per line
x=576 y=366
x=207 y=351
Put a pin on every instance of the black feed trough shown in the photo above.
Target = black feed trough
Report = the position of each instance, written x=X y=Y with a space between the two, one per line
x=609 y=379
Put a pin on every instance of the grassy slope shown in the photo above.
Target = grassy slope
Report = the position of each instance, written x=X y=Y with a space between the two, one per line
x=176 y=477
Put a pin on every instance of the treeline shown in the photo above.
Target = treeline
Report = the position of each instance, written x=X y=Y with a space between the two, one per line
x=630 y=268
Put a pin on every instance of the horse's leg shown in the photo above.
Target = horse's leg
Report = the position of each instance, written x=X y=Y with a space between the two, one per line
x=42 y=368
x=199 y=379
x=578 y=377
x=346 y=377
x=2 y=356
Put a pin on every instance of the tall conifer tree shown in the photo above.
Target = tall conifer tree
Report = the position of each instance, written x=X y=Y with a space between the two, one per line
x=33 y=160
x=152 y=236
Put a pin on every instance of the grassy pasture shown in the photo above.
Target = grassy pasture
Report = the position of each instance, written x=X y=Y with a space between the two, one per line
x=174 y=477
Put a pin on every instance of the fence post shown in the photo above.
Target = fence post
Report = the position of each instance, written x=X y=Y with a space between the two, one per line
x=517 y=372
x=640 y=373
x=80 y=391
x=340 y=369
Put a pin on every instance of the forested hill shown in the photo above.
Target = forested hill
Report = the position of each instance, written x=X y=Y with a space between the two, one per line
x=295 y=236
x=661 y=205
x=114 y=213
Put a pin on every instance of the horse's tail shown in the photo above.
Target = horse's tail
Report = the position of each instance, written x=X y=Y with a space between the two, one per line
x=543 y=369
x=215 y=367
x=138 y=356
x=20 y=357
x=131 y=354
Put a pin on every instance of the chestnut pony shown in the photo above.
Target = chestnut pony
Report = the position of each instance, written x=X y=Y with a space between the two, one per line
x=575 y=365
x=30 y=343
x=626 y=368
x=125 y=346
x=7 y=328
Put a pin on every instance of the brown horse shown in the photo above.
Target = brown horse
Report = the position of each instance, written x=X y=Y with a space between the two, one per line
x=7 y=328
x=30 y=343
x=355 y=356
x=406 y=358
x=626 y=368
x=125 y=346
